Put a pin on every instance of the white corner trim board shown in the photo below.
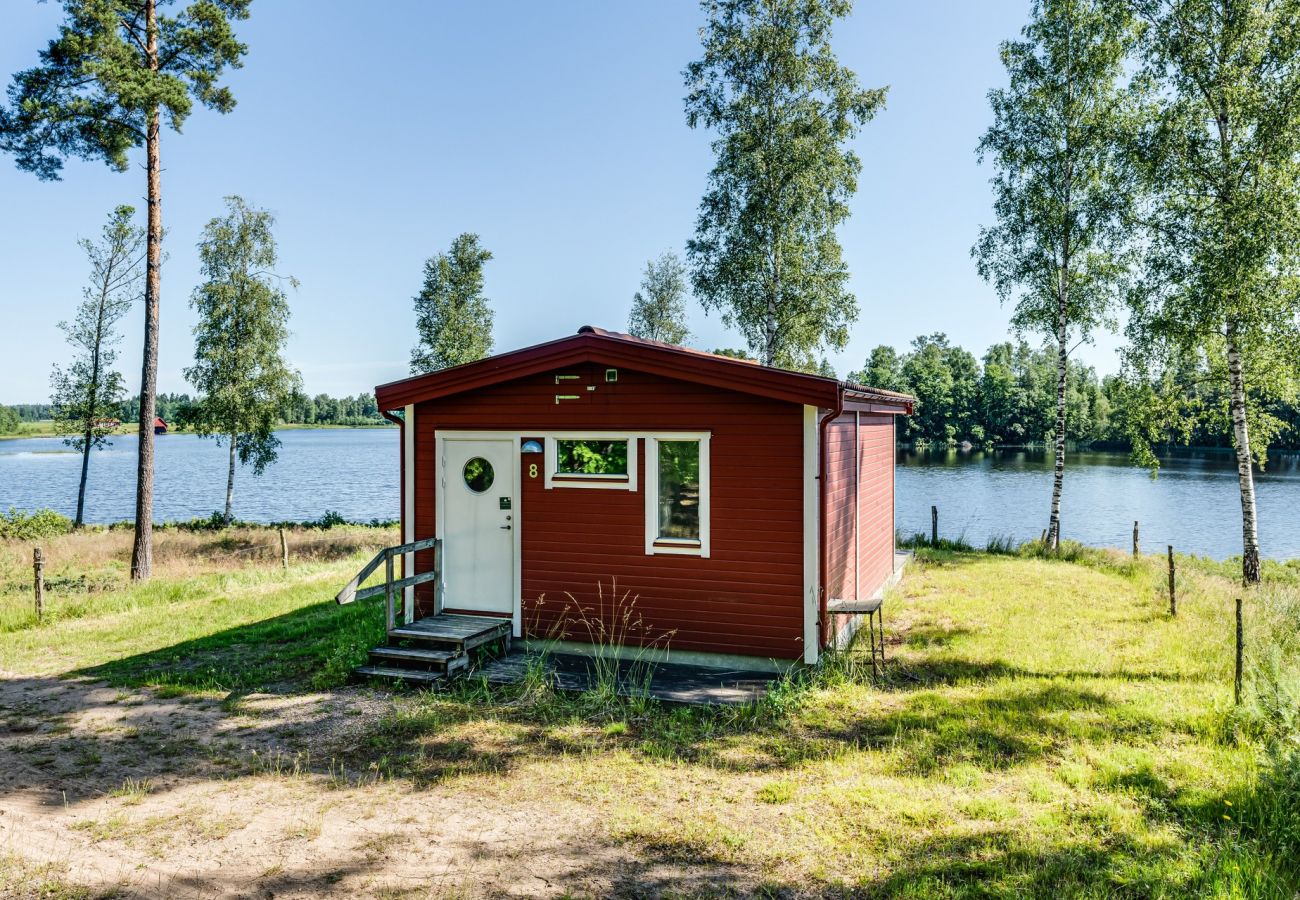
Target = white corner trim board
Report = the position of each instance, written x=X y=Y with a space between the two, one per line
x=408 y=494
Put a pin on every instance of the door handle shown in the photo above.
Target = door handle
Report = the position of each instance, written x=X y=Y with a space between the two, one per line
x=505 y=527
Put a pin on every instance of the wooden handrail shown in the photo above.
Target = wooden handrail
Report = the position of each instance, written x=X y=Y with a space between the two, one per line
x=353 y=591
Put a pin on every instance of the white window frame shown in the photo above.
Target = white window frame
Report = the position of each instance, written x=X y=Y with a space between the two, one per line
x=655 y=545
x=551 y=459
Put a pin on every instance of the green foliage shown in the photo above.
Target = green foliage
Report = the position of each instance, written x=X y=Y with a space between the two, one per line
x=453 y=318
x=8 y=419
x=40 y=523
x=323 y=409
x=1061 y=189
x=169 y=407
x=97 y=85
x=732 y=353
x=239 y=366
x=1219 y=160
x=87 y=396
x=1009 y=400
x=765 y=251
x=659 y=308
x=591 y=457
x=884 y=370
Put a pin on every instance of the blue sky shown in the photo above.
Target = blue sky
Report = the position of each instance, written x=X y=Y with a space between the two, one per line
x=553 y=130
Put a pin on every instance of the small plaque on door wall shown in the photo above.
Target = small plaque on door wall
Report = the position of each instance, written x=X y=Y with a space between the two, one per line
x=505 y=502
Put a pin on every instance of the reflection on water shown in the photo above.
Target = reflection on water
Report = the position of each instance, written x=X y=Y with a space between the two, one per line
x=351 y=471
x=1193 y=502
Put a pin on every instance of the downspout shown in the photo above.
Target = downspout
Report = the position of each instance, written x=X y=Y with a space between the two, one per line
x=823 y=562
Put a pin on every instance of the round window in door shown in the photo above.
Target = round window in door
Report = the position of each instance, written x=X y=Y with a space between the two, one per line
x=478 y=475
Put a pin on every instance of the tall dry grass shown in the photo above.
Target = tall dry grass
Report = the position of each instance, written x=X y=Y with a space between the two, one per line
x=90 y=570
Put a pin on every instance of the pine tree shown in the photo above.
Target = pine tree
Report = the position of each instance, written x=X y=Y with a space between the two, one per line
x=102 y=89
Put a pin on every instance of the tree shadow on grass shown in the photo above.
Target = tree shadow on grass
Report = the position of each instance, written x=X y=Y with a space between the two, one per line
x=311 y=647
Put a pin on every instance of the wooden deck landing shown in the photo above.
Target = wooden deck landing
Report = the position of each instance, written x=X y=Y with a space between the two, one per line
x=463 y=630
x=669 y=682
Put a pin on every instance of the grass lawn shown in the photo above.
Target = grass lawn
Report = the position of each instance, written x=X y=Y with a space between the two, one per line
x=1046 y=729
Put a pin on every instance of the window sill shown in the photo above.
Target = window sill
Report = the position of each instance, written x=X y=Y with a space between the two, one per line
x=670 y=547
x=615 y=482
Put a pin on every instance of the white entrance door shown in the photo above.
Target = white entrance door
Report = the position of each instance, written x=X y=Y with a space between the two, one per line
x=479 y=519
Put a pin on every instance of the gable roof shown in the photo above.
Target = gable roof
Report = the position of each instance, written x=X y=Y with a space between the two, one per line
x=592 y=344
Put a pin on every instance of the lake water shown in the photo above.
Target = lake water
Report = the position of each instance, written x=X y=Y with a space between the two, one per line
x=1193 y=503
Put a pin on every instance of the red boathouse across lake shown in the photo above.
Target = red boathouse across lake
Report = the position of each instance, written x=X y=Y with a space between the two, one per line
x=736 y=506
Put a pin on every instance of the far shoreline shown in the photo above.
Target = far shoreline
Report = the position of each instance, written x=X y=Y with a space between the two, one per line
x=46 y=430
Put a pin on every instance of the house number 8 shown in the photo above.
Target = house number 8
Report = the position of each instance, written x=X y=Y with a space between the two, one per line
x=532 y=470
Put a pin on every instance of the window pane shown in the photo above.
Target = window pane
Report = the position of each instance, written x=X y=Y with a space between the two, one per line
x=478 y=474
x=679 y=490
x=591 y=457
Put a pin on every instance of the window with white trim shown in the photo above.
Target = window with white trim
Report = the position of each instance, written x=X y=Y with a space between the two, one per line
x=595 y=460
x=677 y=494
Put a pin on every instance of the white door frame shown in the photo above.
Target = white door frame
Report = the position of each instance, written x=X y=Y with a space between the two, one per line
x=441 y=436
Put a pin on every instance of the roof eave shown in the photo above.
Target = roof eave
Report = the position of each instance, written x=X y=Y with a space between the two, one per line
x=736 y=375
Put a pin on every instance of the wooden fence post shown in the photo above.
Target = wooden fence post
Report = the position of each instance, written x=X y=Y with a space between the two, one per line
x=284 y=550
x=38 y=570
x=1137 y=543
x=934 y=526
x=1173 y=596
x=1236 y=681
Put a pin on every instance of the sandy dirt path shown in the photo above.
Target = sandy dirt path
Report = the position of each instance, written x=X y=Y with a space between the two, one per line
x=131 y=794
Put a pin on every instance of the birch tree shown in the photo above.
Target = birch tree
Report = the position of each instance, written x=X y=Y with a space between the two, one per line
x=239 y=367
x=102 y=89
x=87 y=395
x=1221 y=160
x=765 y=252
x=659 y=308
x=1061 y=188
x=452 y=317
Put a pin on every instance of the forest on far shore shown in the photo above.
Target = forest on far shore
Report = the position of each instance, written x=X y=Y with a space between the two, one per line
x=320 y=409
x=1007 y=398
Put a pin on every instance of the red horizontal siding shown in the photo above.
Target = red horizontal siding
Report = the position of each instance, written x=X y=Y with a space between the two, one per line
x=838 y=511
x=579 y=544
x=876 y=504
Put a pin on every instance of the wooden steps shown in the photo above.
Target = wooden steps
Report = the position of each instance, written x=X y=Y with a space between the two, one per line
x=398 y=674
x=434 y=648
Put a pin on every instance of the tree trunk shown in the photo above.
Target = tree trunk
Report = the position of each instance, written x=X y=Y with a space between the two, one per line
x=142 y=551
x=230 y=482
x=81 y=491
x=1245 y=472
x=1058 y=475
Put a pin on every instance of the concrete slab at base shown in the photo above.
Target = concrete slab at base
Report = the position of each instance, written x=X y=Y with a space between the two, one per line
x=668 y=682
x=658 y=655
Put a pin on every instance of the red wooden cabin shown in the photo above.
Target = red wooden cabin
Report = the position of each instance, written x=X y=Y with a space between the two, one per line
x=737 y=504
